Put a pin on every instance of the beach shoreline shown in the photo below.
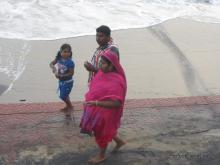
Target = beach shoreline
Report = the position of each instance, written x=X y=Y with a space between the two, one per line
x=178 y=58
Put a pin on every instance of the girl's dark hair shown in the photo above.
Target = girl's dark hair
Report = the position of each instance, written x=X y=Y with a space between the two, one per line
x=64 y=46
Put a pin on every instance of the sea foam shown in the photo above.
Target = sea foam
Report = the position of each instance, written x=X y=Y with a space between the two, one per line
x=54 y=19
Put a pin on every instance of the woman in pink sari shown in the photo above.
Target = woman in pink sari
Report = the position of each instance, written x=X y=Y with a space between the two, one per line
x=104 y=105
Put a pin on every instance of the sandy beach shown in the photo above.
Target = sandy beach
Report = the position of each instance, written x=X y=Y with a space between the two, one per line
x=163 y=123
x=173 y=59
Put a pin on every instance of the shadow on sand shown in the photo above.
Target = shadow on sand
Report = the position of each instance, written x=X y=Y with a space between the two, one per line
x=3 y=88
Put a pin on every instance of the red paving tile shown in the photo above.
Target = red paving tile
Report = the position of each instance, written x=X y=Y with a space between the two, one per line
x=213 y=99
x=31 y=118
x=22 y=108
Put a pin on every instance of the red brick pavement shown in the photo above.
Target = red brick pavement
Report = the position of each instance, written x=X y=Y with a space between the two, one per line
x=18 y=122
x=25 y=108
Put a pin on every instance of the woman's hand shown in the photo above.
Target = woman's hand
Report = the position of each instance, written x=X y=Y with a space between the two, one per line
x=106 y=103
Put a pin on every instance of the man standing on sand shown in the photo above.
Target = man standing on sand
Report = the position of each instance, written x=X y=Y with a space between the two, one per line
x=103 y=38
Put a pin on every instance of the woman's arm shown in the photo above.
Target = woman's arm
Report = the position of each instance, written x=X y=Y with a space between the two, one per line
x=106 y=104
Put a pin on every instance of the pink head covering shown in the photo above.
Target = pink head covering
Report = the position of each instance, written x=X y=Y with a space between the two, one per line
x=113 y=58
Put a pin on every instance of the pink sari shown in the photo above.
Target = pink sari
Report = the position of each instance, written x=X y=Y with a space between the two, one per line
x=104 y=122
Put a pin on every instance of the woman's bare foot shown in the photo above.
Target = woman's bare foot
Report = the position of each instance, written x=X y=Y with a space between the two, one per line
x=97 y=159
x=118 y=146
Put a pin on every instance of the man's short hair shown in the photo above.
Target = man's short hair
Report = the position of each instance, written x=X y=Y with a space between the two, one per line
x=104 y=29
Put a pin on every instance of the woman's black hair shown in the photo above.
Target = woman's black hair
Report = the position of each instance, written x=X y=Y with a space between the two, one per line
x=64 y=46
x=108 y=62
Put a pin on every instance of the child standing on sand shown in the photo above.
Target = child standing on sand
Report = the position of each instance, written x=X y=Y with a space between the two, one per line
x=64 y=72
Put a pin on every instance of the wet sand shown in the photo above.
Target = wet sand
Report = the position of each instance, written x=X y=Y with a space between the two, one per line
x=4 y=83
x=173 y=59
x=3 y=88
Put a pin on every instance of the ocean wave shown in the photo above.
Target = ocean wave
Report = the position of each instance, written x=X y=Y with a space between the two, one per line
x=13 y=61
x=54 y=19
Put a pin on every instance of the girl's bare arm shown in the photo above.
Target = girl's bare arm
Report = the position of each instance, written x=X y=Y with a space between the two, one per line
x=68 y=74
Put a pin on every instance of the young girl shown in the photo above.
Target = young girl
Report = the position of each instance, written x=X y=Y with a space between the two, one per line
x=64 y=72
